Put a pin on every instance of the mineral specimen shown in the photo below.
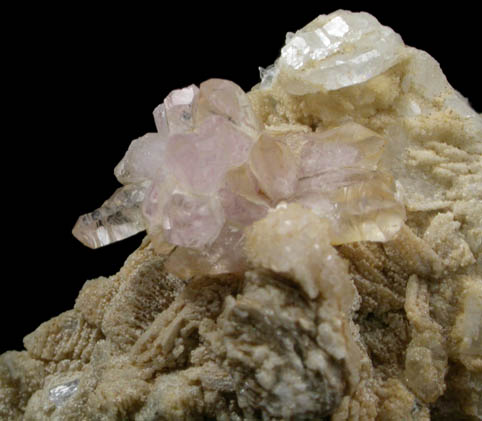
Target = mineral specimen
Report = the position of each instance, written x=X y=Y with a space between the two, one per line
x=313 y=251
x=213 y=167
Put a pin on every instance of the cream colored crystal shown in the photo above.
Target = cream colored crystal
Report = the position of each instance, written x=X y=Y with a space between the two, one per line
x=335 y=51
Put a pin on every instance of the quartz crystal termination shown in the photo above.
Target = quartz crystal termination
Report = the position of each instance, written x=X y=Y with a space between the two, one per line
x=212 y=169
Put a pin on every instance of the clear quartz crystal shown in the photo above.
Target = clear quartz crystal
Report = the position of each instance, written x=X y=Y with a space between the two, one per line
x=119 y=217
x=267 y=76
x=160 y=119
x=274 y=167
x=61 y=393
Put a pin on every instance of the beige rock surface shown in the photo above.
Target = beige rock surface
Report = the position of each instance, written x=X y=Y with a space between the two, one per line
x=360 y=331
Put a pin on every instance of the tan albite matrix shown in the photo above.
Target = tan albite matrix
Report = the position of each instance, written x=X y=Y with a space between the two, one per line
x=313 y=252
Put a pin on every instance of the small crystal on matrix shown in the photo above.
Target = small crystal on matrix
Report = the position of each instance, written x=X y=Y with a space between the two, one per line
x=61 y=393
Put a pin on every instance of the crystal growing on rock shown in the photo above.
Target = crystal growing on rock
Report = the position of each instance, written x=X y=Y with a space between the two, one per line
x=213 y=169
x=263 y=289
x=61 y=393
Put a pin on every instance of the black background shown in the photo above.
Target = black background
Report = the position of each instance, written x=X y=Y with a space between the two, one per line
x=80 y=84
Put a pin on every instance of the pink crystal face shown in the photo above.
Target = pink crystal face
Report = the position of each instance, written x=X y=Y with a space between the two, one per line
x=200 y=159
x=189 y=207
x=222 y=256
x=175 y=114
x=239 y=210
x=225 y=98
x=320 y=157
x=192 y=220
x=349 y=145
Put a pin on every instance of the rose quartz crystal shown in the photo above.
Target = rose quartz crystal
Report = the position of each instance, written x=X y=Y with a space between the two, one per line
x=212 y=170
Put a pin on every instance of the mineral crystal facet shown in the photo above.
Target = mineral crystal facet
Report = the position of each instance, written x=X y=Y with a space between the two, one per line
x=337 y=50
x=119 y=217
x=59 y=394
x=143 y=160
x=177 y=114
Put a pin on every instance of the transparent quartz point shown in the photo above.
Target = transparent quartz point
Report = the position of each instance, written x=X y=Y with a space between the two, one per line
x=119 y=217
x=267 y=76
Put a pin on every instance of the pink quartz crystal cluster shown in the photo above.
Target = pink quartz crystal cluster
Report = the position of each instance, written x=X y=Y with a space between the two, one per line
x=212 y=169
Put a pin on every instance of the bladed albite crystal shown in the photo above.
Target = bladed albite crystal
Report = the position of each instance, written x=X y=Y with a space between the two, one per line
x=335 y=51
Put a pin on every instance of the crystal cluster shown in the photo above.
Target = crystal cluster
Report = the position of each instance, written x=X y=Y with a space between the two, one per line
x=213 y=168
